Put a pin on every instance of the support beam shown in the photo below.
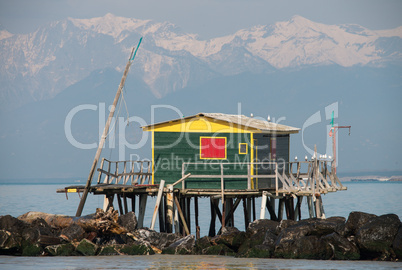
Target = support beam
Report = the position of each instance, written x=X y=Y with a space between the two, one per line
x=169 y=212
x=158 y=201
x=183 y=220
x=263 y=205
x=213 y=218
x=141 y=212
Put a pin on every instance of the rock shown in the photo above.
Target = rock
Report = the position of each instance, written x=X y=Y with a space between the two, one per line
x=108 y=251
x=86 y=248
x=158 y=240
x=10 y=243
x=182 y=246
x=231 y=237
x=12 y=224
x=61 y=250
x=73 y=232
x=128 y=221
x=202 y=244
x=376 y=237
x=283 y=224
x=259 y=251
x=136 y=249
x=220 y=249
x=341 y=248
x=261 y=226
x=302 y=247
x=397 y=244
x=32 y=250
x=355 y=221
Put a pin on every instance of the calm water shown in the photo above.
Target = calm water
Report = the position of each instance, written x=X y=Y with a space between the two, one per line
x=374 y=197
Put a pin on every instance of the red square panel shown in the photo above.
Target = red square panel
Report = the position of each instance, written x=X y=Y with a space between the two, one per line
x=213 y=147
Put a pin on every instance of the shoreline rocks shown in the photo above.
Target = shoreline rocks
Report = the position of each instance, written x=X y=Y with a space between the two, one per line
x=362 y=236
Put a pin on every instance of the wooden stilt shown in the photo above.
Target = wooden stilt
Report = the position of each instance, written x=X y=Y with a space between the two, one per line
x=158 y=201
x=298 y=208
x=223 y=217
x=263 y=205
x=271 y=208
x=161 y=215
x=125 y=203
x=310 y=206
x=141 y=212
x=188 y=213
x=246 y=215
x=110 y=201
x=169 y=210
x=197 y=227
x=317 y=207
x=120 y=204
x=133 y=203
x=213 y=218
x=280 y=208
x=253 y=200
x=287 y=207
x=183 y=220
x=249 y=209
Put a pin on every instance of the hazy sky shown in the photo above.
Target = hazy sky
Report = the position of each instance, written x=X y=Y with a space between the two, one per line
x=207 y=18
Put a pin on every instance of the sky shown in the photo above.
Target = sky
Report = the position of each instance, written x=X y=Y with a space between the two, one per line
x=206 y=18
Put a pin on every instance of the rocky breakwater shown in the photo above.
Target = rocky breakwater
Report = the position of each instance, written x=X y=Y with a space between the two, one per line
x=361 y=237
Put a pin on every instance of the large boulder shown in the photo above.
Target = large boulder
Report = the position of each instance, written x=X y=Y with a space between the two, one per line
x=182 y=246
x=376 y=237
x=260 y=226
x=158 y=240
x=128 y=221
x=86 y=248
x=202 y=244
x=355 y=221
x=397 y=244
x=230 y=237
x=10 y=243
x=12 y=224
x=73 y=232
x=302 y=247
x=340 y=247
x=61 y=250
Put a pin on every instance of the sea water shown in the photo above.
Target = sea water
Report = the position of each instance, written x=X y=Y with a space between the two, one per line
x=372 y=197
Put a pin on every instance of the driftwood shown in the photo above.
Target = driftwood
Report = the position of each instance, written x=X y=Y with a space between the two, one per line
x=103 y=222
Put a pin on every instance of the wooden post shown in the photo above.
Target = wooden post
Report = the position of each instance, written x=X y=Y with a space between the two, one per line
x=223 y=212
x=317 y=207
x=213 y=218
x=104 y=135
x=188 y=212
x=254 y=215
x=197 y=227
x=120 y=204
x=125 y=203
x=310 y=206
x=263 y=205
x=141 y=212
x=249 y=209
x=246 y=215
x=158 y=201
x=133 y=203
x=298 y=208
x=280 y=208
x=169 y=214
x=161 y=212
x=183 y=220
x=271 y=208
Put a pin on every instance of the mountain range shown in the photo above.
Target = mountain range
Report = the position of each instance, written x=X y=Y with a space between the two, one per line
x=39 y=65
x=289 y=70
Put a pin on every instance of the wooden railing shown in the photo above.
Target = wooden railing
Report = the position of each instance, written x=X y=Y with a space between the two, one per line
x=125 y=172
x=311 y=177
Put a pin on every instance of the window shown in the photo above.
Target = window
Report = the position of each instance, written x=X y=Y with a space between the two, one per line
x=213 y=147
x=242 y=148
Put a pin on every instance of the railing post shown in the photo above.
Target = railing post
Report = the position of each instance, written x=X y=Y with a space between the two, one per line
x=276 y=178
x=222 y=184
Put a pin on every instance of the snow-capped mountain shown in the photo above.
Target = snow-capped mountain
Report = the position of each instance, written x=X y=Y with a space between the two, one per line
x=39 y=65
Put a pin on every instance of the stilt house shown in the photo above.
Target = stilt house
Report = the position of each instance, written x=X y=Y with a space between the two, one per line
x=209 y=145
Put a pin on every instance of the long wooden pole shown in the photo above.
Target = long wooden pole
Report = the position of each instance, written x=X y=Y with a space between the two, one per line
x=105 y=133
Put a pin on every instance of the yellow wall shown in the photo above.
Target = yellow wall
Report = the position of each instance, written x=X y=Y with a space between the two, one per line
x=200 y=124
